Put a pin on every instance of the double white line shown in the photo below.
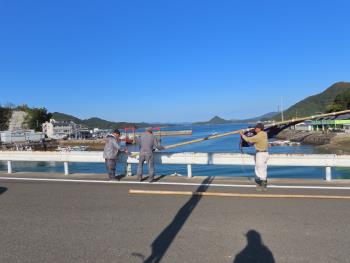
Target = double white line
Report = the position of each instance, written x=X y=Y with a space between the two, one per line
x=172 y=183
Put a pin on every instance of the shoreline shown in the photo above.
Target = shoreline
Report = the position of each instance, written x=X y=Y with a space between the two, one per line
x=325 y=142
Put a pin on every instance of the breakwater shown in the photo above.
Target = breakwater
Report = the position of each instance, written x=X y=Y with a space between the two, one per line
x=98 y=144
x=166 y=133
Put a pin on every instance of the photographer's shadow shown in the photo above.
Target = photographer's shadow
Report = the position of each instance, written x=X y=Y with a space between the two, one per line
x=2 y=190
x=255 y=250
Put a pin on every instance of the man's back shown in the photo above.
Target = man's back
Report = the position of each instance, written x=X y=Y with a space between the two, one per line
x=148 y=143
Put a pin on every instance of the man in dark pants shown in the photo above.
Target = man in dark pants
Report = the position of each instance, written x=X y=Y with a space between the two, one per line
x=148 y=144
x=110 y=153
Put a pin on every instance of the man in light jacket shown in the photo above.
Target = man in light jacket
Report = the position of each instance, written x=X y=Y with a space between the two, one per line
x=148 y=144
x=261 y=143
x=110 y=153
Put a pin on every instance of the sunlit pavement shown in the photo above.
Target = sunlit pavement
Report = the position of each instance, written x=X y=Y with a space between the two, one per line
x=69 y=221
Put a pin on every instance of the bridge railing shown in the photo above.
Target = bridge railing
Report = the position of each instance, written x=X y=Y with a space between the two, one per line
x=186 y=158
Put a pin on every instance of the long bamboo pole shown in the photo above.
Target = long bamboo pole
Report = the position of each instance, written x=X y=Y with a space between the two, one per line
x=211 y=137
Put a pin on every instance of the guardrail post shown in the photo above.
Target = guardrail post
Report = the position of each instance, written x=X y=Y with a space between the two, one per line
x=128 y=169
x=328 y=173
x=189 y=170
x=9 y=167
x=66 y=168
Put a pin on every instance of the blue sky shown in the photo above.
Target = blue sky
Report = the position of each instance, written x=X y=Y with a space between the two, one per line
x=170 y=60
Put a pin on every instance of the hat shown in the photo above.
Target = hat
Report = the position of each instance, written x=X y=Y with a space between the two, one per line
x=116 y=131
x=149 y=129
x=259 y=126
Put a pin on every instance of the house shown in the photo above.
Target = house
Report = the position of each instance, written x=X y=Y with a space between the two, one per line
x=65 y=130
x=331 y=123
x=58 y=129
x=303 y=126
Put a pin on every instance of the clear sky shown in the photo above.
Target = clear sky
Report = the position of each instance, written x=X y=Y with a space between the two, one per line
x=170 y=61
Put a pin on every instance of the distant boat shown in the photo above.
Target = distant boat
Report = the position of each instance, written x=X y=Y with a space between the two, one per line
x=283 y=143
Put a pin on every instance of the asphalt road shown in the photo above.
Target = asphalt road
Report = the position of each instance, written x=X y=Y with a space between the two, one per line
x=87 y=222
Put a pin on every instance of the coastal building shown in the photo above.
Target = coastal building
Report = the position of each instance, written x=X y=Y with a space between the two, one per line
x=331 y=123
x=346 y=128
x=58 y=129
x=20 y=136
x=100 y=133
x=303 y=126
x=65 y=130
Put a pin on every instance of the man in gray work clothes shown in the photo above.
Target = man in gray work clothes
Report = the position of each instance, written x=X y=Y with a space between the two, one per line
x=148 y=144
x=110 y=153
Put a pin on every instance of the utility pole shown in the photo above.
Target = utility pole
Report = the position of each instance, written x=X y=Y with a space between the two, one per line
x=282 y=117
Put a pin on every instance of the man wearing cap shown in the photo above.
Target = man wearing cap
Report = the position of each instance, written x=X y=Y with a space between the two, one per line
x=110 y=153
x=148 y=144
x=260 y=141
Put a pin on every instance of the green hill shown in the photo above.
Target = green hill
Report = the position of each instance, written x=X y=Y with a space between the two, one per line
x=265 y=117
x=58 y=116
x=97 y=122
x=317 y=103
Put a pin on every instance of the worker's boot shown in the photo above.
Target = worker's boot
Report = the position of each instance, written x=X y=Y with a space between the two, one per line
x=264 y=185
x=258 y=184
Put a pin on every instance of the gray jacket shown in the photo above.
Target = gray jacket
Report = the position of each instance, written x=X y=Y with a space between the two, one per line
x=111 y=147
x=148 y=143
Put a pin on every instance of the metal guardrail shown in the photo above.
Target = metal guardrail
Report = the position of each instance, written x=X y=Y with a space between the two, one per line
x=187 y=158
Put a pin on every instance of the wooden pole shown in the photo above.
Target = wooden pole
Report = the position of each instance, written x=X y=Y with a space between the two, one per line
x=217 y=194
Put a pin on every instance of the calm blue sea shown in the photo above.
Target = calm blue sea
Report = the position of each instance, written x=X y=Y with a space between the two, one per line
x=225 y=144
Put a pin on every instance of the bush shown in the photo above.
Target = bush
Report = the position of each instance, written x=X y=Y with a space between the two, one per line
x=5 y=115
x=36 y=117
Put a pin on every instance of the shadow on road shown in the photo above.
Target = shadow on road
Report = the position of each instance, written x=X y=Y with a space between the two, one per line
x=163 y=241
x=255 y=251
x=2 y=190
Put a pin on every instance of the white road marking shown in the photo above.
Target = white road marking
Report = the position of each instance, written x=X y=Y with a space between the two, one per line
x=174 y=183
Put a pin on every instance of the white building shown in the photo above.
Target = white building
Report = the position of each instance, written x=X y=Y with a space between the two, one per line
x=100 y=133
x=20 y=136
x=65 y=130
x=303 y=126
x=59 y=129
x=346 y=128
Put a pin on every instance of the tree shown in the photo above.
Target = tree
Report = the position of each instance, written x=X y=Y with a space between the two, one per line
x=36 y=117
x=341 y=102
x=5 y=115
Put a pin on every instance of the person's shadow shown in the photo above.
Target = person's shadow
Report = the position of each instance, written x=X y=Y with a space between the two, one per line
x=255 y=251
x=2 y=190
x=163 y=241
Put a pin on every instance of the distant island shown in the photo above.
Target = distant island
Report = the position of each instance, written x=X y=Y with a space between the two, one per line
x=218 y=120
